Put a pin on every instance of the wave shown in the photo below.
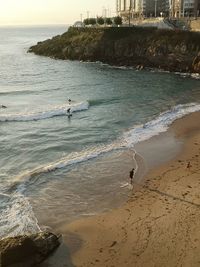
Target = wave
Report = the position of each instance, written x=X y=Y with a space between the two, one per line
x=16 y=92
x=138 y=134
x=97 y=102
x=71 y=159
x=159 y=124
x=46 y=114
x=16 y=216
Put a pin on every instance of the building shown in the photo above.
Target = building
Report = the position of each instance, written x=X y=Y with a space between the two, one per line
x=147 y=8
x=190 y=8
x=157 y=8
x=185 y=8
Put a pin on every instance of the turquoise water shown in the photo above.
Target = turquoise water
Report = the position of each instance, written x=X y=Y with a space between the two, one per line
x=51 y=163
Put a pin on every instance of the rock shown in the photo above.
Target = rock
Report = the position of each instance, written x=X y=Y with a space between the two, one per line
x=27 y=251
x=150 y=48
x=196 y=64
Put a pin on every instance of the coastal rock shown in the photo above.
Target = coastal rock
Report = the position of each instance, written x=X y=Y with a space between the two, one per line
x=149 y=47
x=196 y=64
x=27 y=251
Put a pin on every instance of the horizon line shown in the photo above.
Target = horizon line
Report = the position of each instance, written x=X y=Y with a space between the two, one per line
x=32 y=25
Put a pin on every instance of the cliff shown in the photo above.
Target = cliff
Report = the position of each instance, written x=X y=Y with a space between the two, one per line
x=134 y=46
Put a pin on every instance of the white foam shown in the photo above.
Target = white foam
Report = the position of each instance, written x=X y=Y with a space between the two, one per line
x=159 y=124
x=45 y=114
x=195 y=76
x=17 y=217
x=71 y=159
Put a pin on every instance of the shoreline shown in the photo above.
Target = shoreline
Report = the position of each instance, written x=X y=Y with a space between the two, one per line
x=150 y=229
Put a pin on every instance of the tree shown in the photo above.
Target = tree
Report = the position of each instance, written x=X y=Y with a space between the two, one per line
x=100 y=20
x=118 y=20
x=86 y=21
x=92 y=21
x=109 y=21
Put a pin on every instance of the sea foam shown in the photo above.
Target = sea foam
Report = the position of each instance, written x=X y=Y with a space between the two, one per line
x=159 y=124
x=45 y=114
x=17 y=216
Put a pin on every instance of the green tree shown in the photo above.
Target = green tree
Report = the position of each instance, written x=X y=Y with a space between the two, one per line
x=86 y=21
x=92 y=21
x=118 y=20
x=109 y=21
x=100 y=20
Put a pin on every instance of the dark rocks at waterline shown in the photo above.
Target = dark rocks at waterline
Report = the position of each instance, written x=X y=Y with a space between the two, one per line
x=27 y=251
x=196 y=63
x=148 y=47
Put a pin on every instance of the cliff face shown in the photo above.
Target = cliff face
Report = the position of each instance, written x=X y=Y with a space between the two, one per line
x=146 y=47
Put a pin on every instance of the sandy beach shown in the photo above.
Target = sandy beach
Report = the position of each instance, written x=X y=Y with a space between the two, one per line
x=159 y=224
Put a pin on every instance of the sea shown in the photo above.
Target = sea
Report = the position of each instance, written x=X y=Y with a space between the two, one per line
x=56 y=168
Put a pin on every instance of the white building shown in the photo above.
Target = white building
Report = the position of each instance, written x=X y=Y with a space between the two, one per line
x=148 y=8
x=145 y=8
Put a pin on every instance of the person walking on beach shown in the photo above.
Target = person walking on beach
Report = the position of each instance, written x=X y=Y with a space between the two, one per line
x=132 y=172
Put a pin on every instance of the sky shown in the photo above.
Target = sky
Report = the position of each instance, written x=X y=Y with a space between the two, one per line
x=27 y=12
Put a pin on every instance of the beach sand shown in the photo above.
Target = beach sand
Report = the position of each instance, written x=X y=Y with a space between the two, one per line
x=158 y=225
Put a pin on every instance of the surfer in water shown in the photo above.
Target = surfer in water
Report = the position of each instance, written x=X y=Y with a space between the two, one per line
x=69 y=112
x=2 y=106
x=69 y=100
x=132 y=172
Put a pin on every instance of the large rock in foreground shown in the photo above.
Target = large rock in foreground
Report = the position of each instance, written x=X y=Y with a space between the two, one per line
x=27 y=251
x=147 y=47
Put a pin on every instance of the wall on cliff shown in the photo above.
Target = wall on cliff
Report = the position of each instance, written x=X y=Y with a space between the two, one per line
x=150 y=47
x=195 y=25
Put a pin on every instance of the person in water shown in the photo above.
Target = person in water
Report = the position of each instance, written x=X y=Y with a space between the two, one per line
x=132 y=172
x=3 y=106
x=69 y=112
x=69 y=100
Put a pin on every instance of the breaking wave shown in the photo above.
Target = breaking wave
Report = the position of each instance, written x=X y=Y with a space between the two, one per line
x=45 y=114
x=16 y=216
x=158 y=125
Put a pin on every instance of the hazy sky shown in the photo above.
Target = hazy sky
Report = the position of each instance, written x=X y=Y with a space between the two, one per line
x=51 y=11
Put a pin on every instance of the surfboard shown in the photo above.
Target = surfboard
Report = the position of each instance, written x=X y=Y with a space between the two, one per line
x=128 y=185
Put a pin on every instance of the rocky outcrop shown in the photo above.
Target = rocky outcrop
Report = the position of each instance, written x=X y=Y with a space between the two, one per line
x=27 y=251
x=149 y=47
x=196 y=63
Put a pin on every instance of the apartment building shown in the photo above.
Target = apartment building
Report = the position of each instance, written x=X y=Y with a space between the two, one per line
x=157 y=8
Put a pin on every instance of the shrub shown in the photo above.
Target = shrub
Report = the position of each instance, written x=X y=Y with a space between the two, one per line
x=108 y=21
x=118 y=20
x=100 y=21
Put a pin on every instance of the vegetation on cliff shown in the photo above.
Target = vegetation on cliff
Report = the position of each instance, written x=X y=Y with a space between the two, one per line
x=134 y=46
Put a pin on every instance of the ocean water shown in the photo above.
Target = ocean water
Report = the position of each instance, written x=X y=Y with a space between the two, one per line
x=55 y=168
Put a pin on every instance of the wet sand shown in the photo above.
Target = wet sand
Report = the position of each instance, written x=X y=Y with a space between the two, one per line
x=159 y=224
